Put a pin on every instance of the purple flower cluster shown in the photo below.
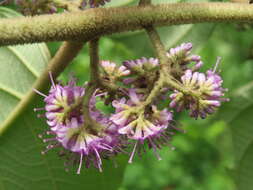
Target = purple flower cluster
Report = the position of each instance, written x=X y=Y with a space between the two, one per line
x=63 y=112
x=205 y=93
x=154 y=126
x=112 y=72
x=139 y=118
x=142 y=72
x=142 y=65
x=181 y=59
x=94 y=3
x=32 y=7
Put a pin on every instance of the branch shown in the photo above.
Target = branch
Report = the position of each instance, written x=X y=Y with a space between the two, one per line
x=91 y=87
x=163 y=59
x=158 y=46
x=90 y=123
x=94 y=61
x=90 y=24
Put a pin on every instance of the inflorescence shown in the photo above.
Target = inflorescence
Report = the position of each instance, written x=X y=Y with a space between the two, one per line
x=140 y=119
x=34 y=7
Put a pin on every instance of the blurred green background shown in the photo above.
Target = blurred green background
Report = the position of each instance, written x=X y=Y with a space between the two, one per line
x=205 y=157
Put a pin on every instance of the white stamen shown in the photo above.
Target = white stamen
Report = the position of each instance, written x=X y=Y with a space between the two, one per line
x=38 y=109
x=217 y=64
x=80 y=164
x=40 y=136
x=49 y=139
x=51 y=78
x=50 y=133
x=132 y=154
x=99 y=159
x=105 y=148
x=41 y=115
x=40 y=93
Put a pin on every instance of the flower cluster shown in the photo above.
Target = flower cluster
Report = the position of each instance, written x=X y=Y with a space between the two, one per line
x=113 y=73
x=141 y=118
x=181 y=58
x=205 y=93
x=152 y=126
x=93 y=3
x=34 y=7
x=64 y=115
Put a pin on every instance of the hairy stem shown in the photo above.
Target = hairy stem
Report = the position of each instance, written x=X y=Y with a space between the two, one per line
x=94 y=61
x=89 y=91
x=89 y=24
x=89 y=123
x=95 y=77
x=158 y=46
x=92 y=85
x=165 y=78
x=163 y=59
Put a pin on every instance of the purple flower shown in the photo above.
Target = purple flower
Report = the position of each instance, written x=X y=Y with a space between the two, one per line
x=142 y=65
x=143 y=72
x=93 y=3
x=32 y=7
x=181 y=55
x=205 y=93
x=153 y=126
x=67 y=127
x=113 y=71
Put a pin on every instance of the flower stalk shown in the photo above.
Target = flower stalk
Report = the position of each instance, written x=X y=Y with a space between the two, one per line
x=92 y=86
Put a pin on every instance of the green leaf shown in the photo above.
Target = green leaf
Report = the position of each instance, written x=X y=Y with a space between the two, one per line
x=244 y=172
x=237 y=76
x=20 y=66
x=238 y=114
x=22 y=167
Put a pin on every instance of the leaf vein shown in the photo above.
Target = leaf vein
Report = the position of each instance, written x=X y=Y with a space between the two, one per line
x=11 y=92
x=23 y=61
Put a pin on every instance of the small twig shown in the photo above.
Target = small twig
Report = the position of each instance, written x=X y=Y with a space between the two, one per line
x=94 y=61
x=95 y=77
x=89 y=123
x=92 y=84
x=158 y=46
x=165 y=78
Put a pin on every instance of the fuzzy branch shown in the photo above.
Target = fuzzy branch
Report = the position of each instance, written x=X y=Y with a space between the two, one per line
x=90 y=24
